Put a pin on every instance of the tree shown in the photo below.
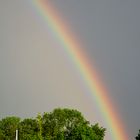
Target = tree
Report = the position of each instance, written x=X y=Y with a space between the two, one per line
x=28 y=129
x=60 y=124
x=138 y=137
x=82 y=132
x=1 y=135
x=8 y=127
x=68 y=124
x=99 y=131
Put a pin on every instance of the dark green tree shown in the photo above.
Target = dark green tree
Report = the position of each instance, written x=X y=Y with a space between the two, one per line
x=28 y=129
x=1 y=135
x=138 y=137
x=67 y=124
x=82 y=132
x=99 y=131
x=60 y=124
x=8 y=127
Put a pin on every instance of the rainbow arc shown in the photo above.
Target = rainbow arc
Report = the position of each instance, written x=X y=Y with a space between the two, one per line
x=90 y=75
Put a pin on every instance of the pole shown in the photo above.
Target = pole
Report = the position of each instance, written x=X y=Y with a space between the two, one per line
x=16 y=134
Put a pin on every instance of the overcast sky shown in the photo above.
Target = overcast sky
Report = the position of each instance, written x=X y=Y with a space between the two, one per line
x=36 y=75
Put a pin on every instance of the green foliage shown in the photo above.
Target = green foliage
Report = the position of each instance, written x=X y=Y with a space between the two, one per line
x=99 y=131
x=8 y=127
x=1 y=135
x=66 y=124
x=81 y=132
x=61 y=124
x=39 y=122
x=28 y=129
x=138 y=137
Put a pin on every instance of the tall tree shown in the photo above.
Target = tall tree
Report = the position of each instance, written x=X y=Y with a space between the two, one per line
x=70 y=124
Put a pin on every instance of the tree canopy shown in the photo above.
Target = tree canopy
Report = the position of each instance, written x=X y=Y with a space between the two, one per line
x=60 y=124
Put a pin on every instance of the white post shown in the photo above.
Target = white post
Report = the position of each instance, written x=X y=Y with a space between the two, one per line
x=16 y=134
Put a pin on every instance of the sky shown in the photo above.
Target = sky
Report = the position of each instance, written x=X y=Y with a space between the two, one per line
x=37 y=75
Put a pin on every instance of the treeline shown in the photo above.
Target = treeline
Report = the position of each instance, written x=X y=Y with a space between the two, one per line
x=60 y=124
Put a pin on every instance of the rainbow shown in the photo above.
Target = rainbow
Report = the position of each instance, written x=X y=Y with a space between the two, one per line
x=90 y=76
